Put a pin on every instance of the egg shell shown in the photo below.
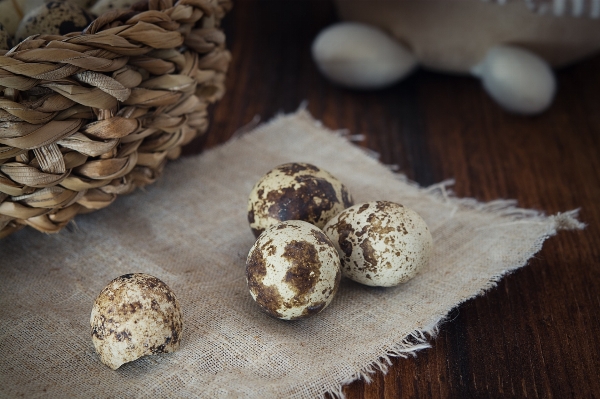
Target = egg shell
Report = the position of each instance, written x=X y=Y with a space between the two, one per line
x=103 y=6
x=12 y=11
x=135 y=315
x=53 y=18
x=380 y=243
x=361 y=56
x=293 y=270
x=296 y=191
x=517 y=79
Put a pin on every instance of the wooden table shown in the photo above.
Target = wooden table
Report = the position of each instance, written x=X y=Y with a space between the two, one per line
x=537 y=333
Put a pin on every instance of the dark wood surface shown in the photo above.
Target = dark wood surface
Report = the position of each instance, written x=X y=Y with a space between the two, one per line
x=536 y=334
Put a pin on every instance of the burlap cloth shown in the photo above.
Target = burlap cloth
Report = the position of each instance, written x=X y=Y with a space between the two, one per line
x=190 y=230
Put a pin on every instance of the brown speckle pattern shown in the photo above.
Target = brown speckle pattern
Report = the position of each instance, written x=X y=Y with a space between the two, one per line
x=293 y=270
x=135 y=315
x=305 y=268
x=53 y=18
x=267 y=297
x=296 y=191
x=380 y=243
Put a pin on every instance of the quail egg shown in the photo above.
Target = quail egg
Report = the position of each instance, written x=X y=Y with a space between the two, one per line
x=293 y=270
x=296 y=191
x=53 y=18
x=380 y=243
x=135 y=315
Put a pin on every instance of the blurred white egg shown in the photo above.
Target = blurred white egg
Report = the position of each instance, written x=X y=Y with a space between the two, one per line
x=517 y=79
x=360 y=56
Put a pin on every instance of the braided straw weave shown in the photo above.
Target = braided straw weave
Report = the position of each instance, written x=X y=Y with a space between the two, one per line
x=87 y=116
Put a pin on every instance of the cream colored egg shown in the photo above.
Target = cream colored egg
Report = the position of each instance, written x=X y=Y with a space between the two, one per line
x=296 y=191
x=380 y=243
x=103 y=6
x=135 y=315
x=53 y=18
x=293 y=270
x=361 y=56
x=517 y=79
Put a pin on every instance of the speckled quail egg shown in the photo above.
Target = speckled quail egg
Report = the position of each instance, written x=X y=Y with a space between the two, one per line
x=103 y=6
x=380 y=243
x=296 y=191
x=53 y=18
x=293 y=270
x=135 y=315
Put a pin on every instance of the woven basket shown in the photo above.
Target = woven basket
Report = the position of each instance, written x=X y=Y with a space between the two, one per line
x=88 y=116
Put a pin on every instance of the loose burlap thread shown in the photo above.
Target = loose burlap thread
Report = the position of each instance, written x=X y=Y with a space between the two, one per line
x=190 y=230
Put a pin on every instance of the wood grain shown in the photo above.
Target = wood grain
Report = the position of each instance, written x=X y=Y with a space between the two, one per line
x=535 y=335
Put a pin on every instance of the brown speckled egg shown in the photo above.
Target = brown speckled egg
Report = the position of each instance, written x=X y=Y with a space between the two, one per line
x=293 y=270
x=380 y=243
x=296 y=191
x=53 y=18
x=135 y=315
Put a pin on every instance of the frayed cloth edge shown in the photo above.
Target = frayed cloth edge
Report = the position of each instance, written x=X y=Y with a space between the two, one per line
x=419 y=339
